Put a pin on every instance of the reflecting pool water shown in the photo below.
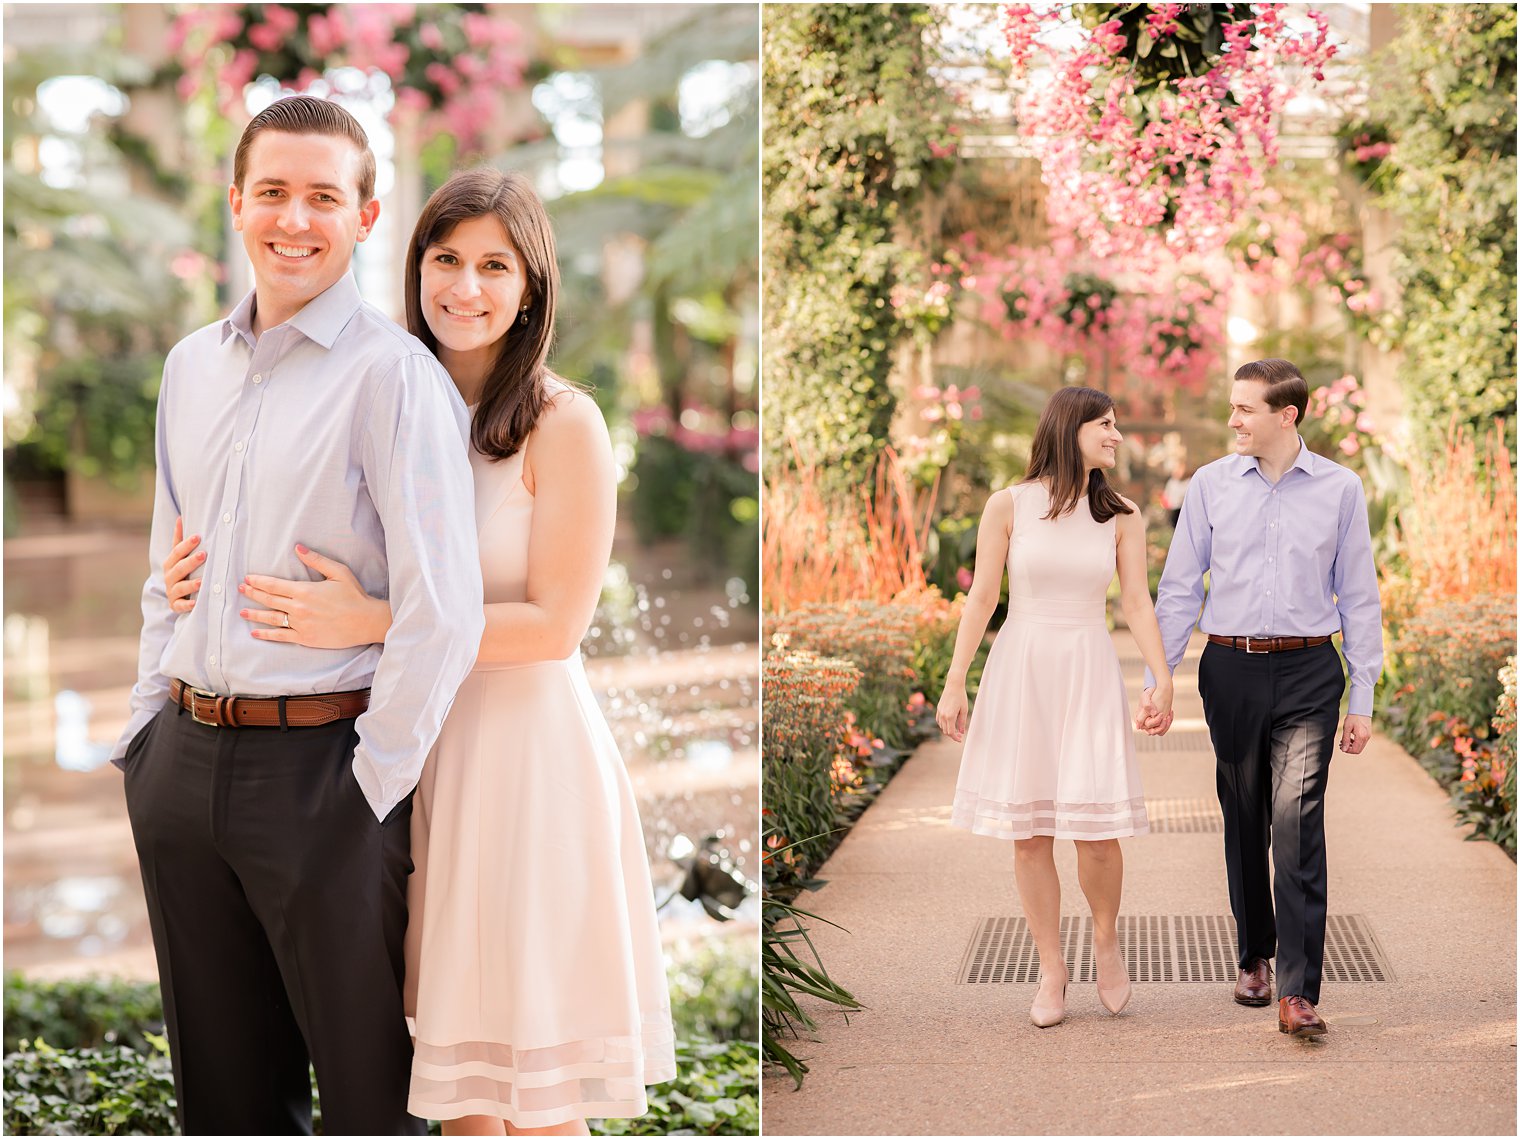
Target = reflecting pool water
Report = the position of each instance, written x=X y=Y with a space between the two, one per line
x=672 y=659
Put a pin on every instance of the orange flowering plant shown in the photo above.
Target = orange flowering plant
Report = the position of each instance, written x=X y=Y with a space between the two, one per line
x=1452 y=704
x=879 y=640
x=824 y=544
x=1445 y=663
x=1454 y=532
x=803 y=696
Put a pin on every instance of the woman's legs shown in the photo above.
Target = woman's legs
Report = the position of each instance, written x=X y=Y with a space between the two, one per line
x=491 y=1125
x=1100 y=871
x=475 y=1125
x=1034 y=869
x=574 y=1127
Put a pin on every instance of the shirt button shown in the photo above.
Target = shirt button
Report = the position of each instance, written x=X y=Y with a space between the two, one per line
x=226 y=518
x=258 y=379
x=217 y=588
x=1269 y=593
x=212 y=659
x=1271 y=525
x=238 y=446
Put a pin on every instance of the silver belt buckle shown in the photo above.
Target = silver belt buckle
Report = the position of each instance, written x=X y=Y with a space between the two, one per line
x=195 y=715
x=1257 y=652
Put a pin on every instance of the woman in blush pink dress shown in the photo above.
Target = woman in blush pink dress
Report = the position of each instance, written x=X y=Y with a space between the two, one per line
x=1049 y=752
x=535 y=974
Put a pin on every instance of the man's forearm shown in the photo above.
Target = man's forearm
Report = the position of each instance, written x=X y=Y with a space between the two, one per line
x=418 y=470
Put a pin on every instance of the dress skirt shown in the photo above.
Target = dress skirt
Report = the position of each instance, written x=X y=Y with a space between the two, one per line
x=535 y=974
x=1049 y=749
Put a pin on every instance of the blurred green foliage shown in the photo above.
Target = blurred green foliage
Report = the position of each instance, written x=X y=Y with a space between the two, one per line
x=92 y=299
x=1446 y=94
x=706 y=498
x=90 y=1013
x=856 y=129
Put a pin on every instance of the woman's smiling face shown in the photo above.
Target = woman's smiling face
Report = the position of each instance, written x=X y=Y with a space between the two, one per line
x=473 y=286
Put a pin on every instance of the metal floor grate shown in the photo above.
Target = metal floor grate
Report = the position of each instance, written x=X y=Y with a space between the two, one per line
x=1171 y=947
x=1184 y=816
x=1175 y=742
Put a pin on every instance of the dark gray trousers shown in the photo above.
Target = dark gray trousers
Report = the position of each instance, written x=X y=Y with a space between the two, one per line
x=1272 y=718
x=278 y=908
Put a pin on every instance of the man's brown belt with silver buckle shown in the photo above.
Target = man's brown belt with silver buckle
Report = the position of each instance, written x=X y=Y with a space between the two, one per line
x=1267 y=644
x=267 y=711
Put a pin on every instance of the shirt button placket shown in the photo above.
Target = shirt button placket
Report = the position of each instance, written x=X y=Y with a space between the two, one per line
x=1274 y=537
x=248 y=403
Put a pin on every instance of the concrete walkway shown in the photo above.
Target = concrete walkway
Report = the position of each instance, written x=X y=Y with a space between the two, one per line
x=1431 y=1051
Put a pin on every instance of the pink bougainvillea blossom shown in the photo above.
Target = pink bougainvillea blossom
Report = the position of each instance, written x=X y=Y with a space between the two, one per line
x=1148 y=323
x=226 y=47
x=1178 y=168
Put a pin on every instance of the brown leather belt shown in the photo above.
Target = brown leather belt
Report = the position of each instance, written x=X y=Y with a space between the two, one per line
x=1267 y=644
x=267 y=711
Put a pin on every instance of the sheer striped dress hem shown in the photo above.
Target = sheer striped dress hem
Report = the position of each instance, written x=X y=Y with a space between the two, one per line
x=1091 y=821
x=543 y=1087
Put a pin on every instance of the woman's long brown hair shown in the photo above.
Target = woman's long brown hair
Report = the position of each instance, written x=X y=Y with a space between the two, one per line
x=515 y=391
x=1057 y=458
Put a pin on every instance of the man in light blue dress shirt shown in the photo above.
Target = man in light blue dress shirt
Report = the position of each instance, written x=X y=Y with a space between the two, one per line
x=268 y=784
x=1283 y=535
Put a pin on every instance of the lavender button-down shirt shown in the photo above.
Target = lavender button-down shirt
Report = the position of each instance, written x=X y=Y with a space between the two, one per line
x=341 y=431
x=1292 y=559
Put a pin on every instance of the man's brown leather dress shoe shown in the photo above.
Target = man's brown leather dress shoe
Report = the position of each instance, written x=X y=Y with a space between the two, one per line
x=1255 y=985
x=1297 y=1017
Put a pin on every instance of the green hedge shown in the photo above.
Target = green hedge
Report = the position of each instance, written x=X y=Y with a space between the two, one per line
x=93 y=1088
x=89 y=1091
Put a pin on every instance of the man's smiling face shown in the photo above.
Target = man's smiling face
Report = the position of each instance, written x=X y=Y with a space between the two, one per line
x=1257 y=427
x=300 y=216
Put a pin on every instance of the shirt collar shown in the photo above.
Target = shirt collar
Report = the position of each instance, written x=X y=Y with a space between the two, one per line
x=323 y=318
x=1307 y=461
x=240 y=320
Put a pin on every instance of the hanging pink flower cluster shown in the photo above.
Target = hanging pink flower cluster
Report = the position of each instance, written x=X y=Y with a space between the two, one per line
x=1274 y=251
x=447 y=67
x=1265 y=251
x=949 y=404
x=923 y=307
x=701 y=429
x=1337 y=418
x=1138 y=330
x=1334 y=263
x=1132 y=159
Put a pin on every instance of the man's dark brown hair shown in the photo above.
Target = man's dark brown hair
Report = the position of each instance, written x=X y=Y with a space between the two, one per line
x=304 y=114
x=1286 y=385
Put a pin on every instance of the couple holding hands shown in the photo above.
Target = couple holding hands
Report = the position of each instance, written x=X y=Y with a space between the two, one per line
x=382 y=825
x=1282 y=534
